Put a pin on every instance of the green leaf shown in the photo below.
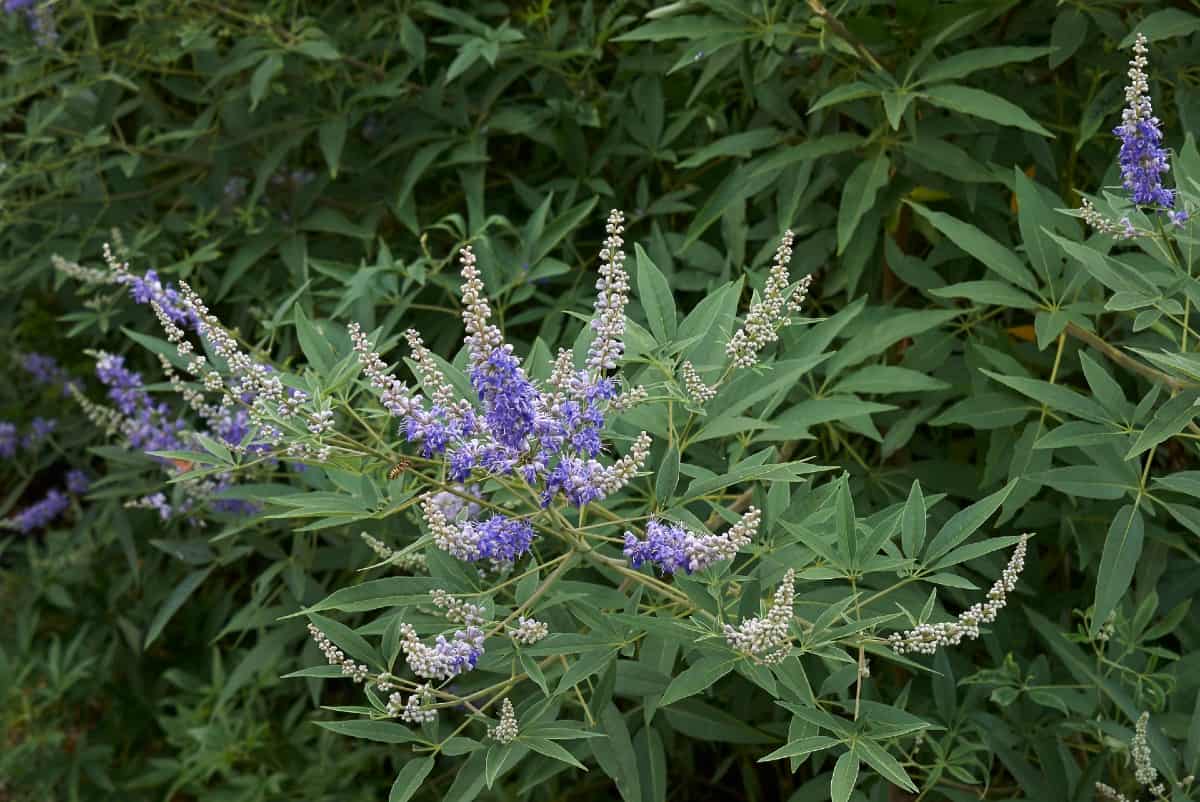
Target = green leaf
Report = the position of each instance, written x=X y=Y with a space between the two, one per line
x=844 y=93
x=859 y=196
x=409 y=780
x=1122 y=549
x=966 y=522
x=1165 y=24
x=267 y=69
x=331 y=136
x=171 y=606
x=313 y=342
x=913 y=521
x=994 y=293
x=552 y=750
x=741 y=145
x=667 y=477
x=698 y=677
x=801 y=747
x=845 y=775
x=980 y=58
x=877 y=758
x=984 y=411
x=985 y=105
x=877 y=338
x=387 y=732
x=886 y=379
x=375 y=594
x=1066 y=35
x=655 y=295
x=1085 y=481
x=319 y=49
x=1055 y=396
x=994 y=256
x=1169 y=420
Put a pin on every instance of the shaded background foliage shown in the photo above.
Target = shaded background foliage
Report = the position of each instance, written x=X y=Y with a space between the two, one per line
x=324 y=159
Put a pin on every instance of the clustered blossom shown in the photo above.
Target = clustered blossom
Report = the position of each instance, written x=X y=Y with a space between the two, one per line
x=457 y=611
x=446 y=658
x=1092 y=217
x=612 y=293
x=336 y=657
x=1143 y=766
x=505 y=731
x=46 y=371
x=417 y=709
x=671 y=547
x=78 y=482
x=1143 y=159
x=771 y=311
x=8 y=439
x=928 y=638
x=393 y=393
x=41 y=513
x=696 y=388
x=528 y=631
x=39 y=17
x=1139 y=750
x=499 y=538
x=146 y=425
x=767 y=640
x=412 y=561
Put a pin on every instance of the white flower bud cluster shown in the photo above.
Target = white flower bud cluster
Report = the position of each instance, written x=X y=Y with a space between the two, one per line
x=427 y=368
x=1103 y=225
x=482 y=337
x=417 y=709
x=84 y=275
x=1108 y=792
x=411 y=562
x=1137 y=92
x=1139 y=750
x=335 y=656
x=706 y=550
x=767 y=640
x=928 y=638
x=621 y=472
x=457 y=611
x=770 y=312
x=695 y=386
x=455 y=540
x=377 y=546
x=528 y=631
x=109 y=420
x=628 y=399
x=393 y=393
x=612 y=290
x=320 y=422
x=505 y=731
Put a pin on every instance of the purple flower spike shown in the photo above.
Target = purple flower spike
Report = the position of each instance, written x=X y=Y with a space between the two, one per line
x=1143 y=159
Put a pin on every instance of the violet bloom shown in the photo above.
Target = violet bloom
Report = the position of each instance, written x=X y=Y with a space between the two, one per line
x=8 y=439
x=39 y=431
x=78 y=482
x=149 y=289
x=666 y=545
x=1143 y=159
x=43 y=369
x=502 y=538
x=42 y=513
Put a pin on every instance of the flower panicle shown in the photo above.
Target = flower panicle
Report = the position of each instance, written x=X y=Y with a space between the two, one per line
x=612 y=294
x=506 y=729
x=771 y=311
x=767 y=640
x=928 y=638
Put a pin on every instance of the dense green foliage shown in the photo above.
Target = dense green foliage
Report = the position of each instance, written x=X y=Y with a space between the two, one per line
x=976 y=364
